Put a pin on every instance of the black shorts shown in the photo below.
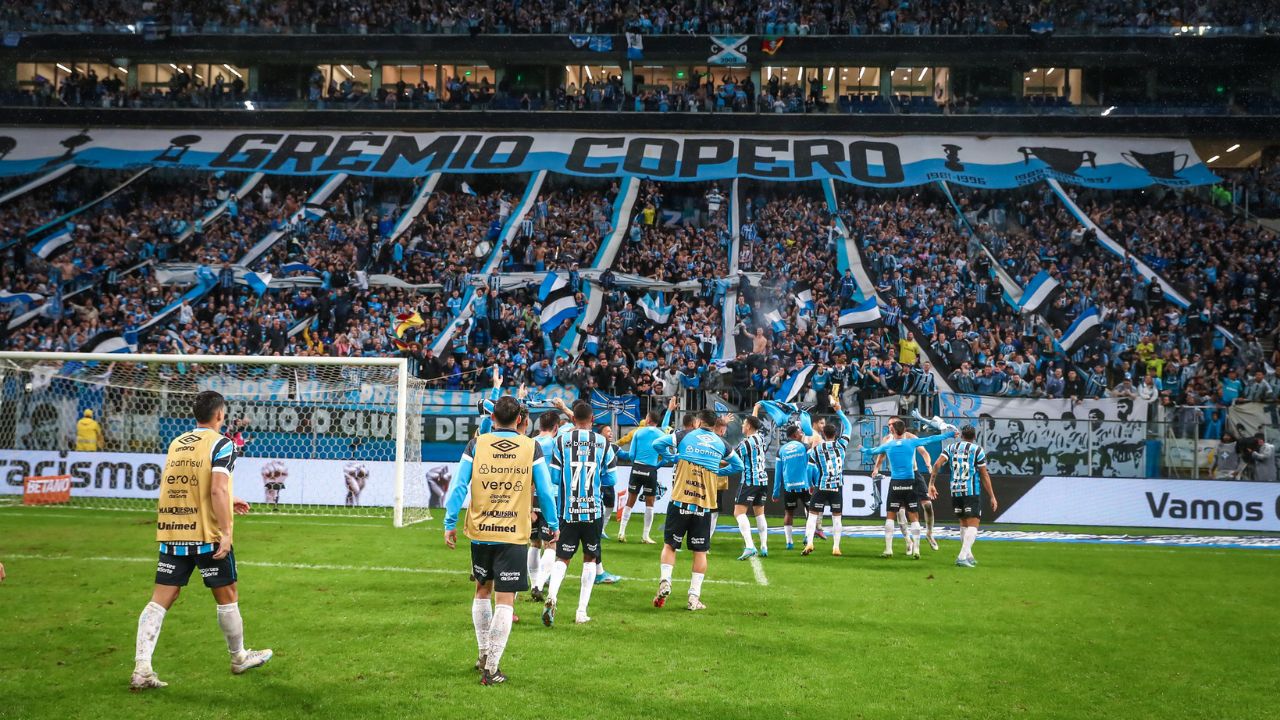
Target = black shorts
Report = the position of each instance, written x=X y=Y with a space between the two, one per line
x=902 y=494
x=833 y=499
x=574 y=533
x=609 y=495
x=643 y=482
x=539 y=531
x=503 y=564
x=687 y=526
x=967 y=506
x=176 y=570
x=922 y=487
x=795 y=499
x=752 y=495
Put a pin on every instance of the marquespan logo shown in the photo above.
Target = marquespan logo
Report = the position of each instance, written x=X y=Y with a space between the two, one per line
x=505 y=445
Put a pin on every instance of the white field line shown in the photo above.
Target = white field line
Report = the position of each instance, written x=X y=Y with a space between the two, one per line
x=758 y=568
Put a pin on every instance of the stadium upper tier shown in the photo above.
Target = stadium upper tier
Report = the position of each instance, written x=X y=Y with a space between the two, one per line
x=721 y=17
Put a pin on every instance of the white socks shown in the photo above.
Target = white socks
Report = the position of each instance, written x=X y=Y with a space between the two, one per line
x=482 y=619
x=534 y=561
x=810 y=525
x=149 y=623
x=664 y=572
x=499 y=631
x=762 y=526
x=888 y=534
x=837 y=527
x=695 y=584
x=967 y=537
x=927 y=508
x=648 y=520
x=744 y=527
x=588 y=582
x=558 y=570
x=915 y=537
x=786 y=532
x=545 y=564
x=714 y=516
x=902 y=523
x=232 y=627
x=622 y=524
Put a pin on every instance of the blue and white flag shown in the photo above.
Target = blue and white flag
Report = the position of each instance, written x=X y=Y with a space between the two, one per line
x=257 y=282
x=54 y=242
x=314 y=211
x=597 y=43
x=656 y=309
x=794 y=383
x=635 y=46
x=299 y=267
x=863 y=315
x=557 y=302
x=19 y=297
x=107 y=341
x=623 y=409
x=1086 y=327
x=467 y=189
x=804 y=296
x=1039 y=292
x=591 y=345
x=776 y=323
x=728 y=50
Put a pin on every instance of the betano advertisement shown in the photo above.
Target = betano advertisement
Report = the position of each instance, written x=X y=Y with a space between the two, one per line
x=1182 y=504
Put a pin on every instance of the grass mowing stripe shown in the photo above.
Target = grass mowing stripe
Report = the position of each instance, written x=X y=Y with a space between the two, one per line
x=314 y=566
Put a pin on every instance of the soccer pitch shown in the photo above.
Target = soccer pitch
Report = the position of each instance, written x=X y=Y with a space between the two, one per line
x=368 y=622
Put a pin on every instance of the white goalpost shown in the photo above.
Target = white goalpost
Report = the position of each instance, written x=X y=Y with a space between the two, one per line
x=315 y=435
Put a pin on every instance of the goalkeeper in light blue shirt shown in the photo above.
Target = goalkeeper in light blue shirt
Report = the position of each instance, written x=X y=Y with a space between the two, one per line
x=901 y=452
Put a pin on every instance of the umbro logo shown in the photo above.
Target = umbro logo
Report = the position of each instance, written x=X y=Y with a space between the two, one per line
x=505 y=445
x=189 y=439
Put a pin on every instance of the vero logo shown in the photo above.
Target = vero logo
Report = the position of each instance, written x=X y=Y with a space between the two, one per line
x=505 y=445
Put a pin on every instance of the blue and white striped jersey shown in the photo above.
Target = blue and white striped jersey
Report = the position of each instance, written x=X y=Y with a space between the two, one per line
x=828 y=457
x=582 y=463
x=965 y=458
x=751 y=450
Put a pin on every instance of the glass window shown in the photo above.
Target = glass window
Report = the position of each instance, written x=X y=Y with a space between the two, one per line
x=338 y=73
x=862 y=80
x=471 y=74
x=411 y=74
x=160 y=75
x=575 y=76
x=56 y=72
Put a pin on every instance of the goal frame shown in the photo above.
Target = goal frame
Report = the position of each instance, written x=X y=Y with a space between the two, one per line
x=402 y=386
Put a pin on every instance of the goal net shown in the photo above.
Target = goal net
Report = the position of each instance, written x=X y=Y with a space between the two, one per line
x=314 y=436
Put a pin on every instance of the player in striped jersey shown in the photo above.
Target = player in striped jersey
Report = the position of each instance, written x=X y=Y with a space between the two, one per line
x=753 y=489
x=828 y=457
x=542 y=552
x=582 y=462
x=968 y=464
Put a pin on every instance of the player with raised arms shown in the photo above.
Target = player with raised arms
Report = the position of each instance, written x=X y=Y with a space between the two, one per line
x=643 y=484
x=901 y=452
x=921 y=489
x=701 y=456
x=792 y=478
x=968 y=464
x=827 y=458
x=194 y=529
x=500 y=471
x=582 y=462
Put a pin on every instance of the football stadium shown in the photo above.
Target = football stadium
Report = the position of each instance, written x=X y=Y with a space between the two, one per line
x=585 y=358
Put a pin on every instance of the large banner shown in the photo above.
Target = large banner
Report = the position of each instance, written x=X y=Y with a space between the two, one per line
x=989 y=162
x=1206 y=504
x=1105 y=437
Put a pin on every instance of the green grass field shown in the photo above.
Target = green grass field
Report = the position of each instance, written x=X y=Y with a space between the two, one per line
x=368 y=621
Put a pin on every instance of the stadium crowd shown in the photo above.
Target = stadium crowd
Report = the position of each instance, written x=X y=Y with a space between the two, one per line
x=772 y=17
x=931 y=269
